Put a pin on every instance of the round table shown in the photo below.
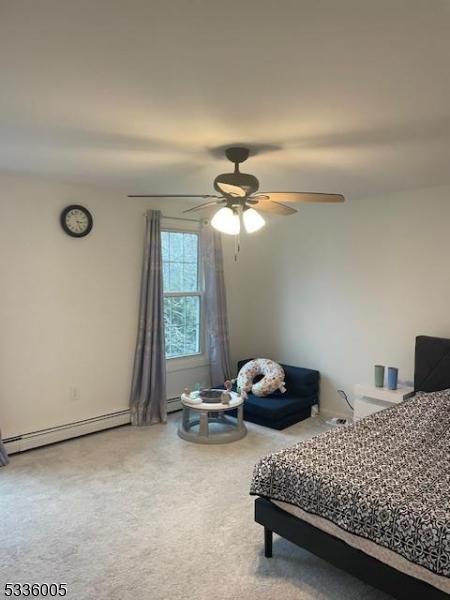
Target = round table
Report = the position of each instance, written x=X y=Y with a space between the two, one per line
x=198 y=416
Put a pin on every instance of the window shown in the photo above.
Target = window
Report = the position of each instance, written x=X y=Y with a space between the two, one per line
x=182 y=293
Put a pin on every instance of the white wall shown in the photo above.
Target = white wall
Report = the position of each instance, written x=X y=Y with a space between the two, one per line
x=341 y=288
x=68 y=307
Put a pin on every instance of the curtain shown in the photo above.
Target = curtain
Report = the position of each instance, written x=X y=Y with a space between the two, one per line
x=148 y=402
x=3 y=455
x=217 y=338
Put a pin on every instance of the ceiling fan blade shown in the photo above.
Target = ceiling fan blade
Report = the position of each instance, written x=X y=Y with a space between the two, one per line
x=172 y=196
x=302 y=197
x=274 y=207
x=203 y=206
x=232 y=190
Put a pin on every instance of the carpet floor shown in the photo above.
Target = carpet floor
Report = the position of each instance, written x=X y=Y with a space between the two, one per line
x=138 y=513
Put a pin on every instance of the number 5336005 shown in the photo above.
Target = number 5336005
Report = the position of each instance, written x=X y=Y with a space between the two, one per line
x=35 y=590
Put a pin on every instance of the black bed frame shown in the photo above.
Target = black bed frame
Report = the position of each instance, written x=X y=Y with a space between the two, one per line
x=432 y=373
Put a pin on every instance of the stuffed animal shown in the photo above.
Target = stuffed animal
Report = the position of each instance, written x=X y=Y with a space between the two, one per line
x=225 y=398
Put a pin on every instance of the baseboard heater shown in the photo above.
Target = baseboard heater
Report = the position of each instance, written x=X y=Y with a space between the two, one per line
x=34 y=439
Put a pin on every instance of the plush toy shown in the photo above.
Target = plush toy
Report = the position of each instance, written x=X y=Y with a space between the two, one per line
x=225 y=398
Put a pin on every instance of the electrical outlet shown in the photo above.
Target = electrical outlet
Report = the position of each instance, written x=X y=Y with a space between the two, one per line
x=339 y=421
x=73 y=393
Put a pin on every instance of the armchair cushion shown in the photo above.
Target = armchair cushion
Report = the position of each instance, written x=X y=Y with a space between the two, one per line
x=282 y=410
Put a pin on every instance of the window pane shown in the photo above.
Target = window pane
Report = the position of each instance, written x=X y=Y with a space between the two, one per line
x=169 y=347
x=191 y=340
x=180 y=261
x=165 y=245
x=190 y=283
x=167 y=314
x=176 y=341
x=178 y=311
x=176 y=246
x=166 y=276
x=180 y=274
x=192 y=309
x=176 y=277
x=190 y=247
x=182 y=322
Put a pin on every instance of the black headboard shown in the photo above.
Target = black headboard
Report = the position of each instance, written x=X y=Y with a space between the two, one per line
x=432 y=368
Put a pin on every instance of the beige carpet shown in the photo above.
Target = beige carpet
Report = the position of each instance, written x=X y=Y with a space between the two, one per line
x=139 y=513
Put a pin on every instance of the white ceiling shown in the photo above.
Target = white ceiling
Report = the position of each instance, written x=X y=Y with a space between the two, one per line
x=349 y=96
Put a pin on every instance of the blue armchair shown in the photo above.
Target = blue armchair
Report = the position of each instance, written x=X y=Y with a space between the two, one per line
x=278 y=410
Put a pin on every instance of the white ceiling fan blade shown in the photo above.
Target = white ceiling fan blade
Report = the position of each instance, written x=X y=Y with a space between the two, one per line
x=302 y=197
x=232 y=190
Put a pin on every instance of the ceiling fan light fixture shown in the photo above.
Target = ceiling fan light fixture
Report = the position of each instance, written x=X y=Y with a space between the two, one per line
x=253 y=221
x=226 y=220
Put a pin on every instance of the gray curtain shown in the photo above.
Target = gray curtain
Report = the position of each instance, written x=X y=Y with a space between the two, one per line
x=217 y=338
x=148 y=402
x=3 y=455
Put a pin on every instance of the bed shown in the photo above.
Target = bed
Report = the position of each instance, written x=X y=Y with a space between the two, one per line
x=373 y=498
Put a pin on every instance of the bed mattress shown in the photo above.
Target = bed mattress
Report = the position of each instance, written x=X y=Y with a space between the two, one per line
x=382 y=485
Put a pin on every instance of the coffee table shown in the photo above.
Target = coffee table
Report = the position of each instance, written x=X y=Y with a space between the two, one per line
x=198 y=416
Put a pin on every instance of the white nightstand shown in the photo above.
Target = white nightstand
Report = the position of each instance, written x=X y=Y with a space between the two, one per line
x=370 y=399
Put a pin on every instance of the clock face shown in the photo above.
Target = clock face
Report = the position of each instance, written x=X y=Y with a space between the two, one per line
x=76 y=220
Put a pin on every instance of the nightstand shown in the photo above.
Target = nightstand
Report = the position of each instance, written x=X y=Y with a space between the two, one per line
x=370 y=399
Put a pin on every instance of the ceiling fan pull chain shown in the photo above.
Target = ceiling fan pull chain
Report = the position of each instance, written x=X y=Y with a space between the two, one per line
x=237 y=239
x=237 y=246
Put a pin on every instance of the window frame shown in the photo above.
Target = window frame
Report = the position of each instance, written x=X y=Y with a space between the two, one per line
x=199 y=294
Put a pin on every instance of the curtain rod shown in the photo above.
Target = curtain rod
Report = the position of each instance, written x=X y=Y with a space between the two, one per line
x=182 y=219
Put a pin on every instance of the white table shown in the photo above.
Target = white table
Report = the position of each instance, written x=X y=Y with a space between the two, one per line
x=370 y=399
x=198 y=415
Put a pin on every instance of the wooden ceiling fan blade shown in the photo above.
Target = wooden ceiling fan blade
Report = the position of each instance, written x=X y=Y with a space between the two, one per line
x=232 y=190
x=172 y=196
x=270 y=206
x=203 y=206
x=303 y=197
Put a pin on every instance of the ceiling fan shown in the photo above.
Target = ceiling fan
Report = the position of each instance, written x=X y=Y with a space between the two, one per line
x=239 y=197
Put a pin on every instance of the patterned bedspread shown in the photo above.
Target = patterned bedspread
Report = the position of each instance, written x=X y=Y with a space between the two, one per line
x=386 y=478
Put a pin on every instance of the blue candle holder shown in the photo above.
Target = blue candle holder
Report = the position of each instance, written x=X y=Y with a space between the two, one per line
x=392 y=378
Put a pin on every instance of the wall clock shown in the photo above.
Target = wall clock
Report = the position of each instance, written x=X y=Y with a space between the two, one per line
x=76 y=220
